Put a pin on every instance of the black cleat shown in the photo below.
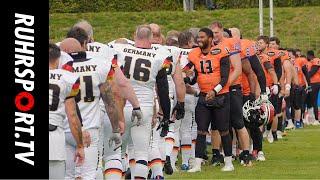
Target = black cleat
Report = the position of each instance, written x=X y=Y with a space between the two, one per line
x=246 y=159
x=149 y=174
x=128 y=174
x=167 y=166
x=217 y=160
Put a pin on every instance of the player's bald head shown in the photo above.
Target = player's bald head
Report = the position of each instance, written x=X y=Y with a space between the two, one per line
x=143 y=32
x=70 y=45
x=235 y=33
x=156 y=30
x=121 y=41
x=85 y=25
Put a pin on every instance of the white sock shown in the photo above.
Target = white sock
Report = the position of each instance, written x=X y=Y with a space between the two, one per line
x=169 y=142
x=193 y=148
x=185 y=153
x=228 y=160
x=174 y=155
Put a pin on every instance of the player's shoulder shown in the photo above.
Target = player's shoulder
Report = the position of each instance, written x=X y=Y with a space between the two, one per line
x=66 y=76
x=65 y=57
x=316 y=61
x=220 y=50
x=195 y=52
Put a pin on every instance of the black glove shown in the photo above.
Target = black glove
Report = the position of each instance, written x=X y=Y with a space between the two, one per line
x=179 y=110
x=252 y=97
x=308 y=89
x=164 y=125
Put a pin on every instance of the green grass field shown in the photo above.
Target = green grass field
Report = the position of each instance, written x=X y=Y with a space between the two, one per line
x=297 y=156
x=296 y=27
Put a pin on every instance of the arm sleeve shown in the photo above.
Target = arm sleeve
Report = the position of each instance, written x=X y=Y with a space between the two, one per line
x=313 y=70
x=306 y=74
x=224 y=70
x=257 y=69
x=278 y=67
x=163 y=92
x=267 y=65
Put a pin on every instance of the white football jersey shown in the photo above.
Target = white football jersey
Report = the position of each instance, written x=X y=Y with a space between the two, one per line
x=111 y=44
x=65 y=61
x=174 y=52
x=93 y=70
x=61 y=85
x=102 y=49
x=190 y=99
x=141 y=66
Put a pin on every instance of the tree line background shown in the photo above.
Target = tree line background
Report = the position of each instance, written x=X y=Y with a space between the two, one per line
x=80 y=6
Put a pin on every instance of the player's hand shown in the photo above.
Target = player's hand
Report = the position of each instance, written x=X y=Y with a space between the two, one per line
x=263 y=97
x=79 y=156
x=275 y=89
x=308 y=89
x=287 y=90
x=164 y=125
x=210 y=95
x=286 y=93
x=178 y=111
x=116 y=138
x=86 y=138
x=122 y=127
x=136 y=116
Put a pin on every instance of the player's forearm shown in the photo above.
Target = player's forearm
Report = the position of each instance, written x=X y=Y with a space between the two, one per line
x=163 y=93
x=74 y=122
x=306 y=74
x=179 y=83
x=224 y=74
x=273 y=75
x=126 y=89
x=258 y=70
x=252 y=82
x=278 y=67
x=287 y=72
x=111 y=105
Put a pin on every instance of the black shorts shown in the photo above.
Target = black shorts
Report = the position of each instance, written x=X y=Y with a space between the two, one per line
x=297 y=94
x=276 y=101
x=218 y=117
x=236 y=102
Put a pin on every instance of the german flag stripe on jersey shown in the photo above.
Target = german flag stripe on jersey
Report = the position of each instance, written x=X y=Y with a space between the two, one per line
x=167 y=62
x=186 y=147
x=114 y=64
x=175 y=148
x=75 y=88
x=169 y=140
x=113 y=171
x=154 y=162
x=132 y=161
x=68 y=66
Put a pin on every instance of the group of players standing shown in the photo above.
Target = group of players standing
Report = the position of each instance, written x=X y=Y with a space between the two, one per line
x=125 y=108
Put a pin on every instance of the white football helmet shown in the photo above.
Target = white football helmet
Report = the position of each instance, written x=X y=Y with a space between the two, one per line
x=257 y=112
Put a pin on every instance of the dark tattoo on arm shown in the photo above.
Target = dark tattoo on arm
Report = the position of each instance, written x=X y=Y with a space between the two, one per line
x=110 y=103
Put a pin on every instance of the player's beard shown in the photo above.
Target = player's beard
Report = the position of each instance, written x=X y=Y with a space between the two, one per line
x=203 y=45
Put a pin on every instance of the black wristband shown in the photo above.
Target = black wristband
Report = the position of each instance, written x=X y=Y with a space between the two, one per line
x=138 y=108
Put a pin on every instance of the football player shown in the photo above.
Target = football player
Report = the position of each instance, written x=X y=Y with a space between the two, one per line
x=63 y=87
